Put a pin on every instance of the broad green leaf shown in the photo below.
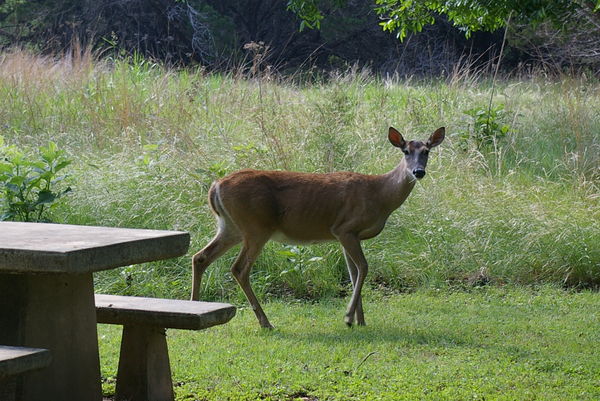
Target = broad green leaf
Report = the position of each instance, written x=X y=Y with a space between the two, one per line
x=62 y=165
x=5 y=167
x=45 y=197
x=17 y=180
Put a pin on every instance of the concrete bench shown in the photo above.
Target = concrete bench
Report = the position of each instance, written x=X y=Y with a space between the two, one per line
x=15 y=361
x=144 y=372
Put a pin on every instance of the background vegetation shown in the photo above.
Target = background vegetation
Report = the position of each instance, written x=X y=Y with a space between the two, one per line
x=495 y=252
x=559 y=34
x=507 y=218
x=511 y=197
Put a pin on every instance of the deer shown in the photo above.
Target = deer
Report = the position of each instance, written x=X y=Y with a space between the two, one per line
x=254 y=206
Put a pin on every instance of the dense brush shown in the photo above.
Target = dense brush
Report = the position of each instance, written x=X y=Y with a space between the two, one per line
x=147 y=142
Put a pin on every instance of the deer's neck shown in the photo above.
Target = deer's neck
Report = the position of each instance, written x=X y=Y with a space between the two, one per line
x=397 y=185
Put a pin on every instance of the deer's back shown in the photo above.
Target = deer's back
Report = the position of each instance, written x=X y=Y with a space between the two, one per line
x=294 y=207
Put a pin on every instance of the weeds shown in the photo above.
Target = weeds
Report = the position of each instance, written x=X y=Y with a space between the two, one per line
x=146 y=143
x=486 y=128
x=29 y=184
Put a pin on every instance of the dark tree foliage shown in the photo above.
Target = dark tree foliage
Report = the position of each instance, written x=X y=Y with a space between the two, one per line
x=256 y=21
x=405 y=16
x=164 y=29
x=264 y=34
x=227 y=33
x=347 y=35
x=577 y=44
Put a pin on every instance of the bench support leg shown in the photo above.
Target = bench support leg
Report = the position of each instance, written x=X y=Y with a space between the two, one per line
x=144 y=371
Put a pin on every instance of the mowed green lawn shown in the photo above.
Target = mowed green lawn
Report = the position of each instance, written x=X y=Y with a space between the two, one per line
x=485 y=344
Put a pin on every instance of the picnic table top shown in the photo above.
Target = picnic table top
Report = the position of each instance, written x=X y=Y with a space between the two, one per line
x=63 y=248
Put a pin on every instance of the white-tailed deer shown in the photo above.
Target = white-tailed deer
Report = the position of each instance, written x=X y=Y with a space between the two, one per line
x=253 y=207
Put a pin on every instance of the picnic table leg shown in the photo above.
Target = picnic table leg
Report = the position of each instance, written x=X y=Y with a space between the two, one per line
x=56 y=312
x=144 y=371
x=8 y=389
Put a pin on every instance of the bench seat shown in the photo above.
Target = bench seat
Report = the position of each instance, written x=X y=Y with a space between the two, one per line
x=144 y=372
x=17 y=360
x=166 y=313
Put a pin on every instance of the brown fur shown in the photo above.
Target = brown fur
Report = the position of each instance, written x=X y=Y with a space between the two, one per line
x=255 y=206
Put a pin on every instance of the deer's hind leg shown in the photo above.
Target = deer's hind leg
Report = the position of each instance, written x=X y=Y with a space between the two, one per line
x=241 y=272
x=227 y=236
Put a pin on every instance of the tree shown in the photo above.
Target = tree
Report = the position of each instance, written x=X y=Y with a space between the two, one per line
x=164 y=29
x=404 y=16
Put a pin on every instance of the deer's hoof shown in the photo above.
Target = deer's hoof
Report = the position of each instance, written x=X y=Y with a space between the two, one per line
x=267 y=326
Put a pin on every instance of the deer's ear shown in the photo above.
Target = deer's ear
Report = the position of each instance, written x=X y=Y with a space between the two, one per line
x=436 y=138
x=396 y=138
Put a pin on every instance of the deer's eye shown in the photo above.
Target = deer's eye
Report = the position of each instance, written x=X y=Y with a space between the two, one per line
x=405 y=151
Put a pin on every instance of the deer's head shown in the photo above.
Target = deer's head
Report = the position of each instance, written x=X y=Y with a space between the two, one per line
x=416 y=153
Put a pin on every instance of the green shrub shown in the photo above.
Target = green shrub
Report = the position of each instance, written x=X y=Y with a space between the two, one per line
x=486 y=128
x=29 y=183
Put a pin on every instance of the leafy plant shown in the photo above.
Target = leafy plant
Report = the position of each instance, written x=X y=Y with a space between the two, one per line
x=149 y=155
x=28 y=183
x=486 y=128
x=409 y=16
x=302 y=273
x=299 y=257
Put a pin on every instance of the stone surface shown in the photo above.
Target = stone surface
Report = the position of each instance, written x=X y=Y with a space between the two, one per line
x=166 y=313
x=144 y=371
x=44 y=248
x=50 y=302
x=17 y=360
x=56 y=312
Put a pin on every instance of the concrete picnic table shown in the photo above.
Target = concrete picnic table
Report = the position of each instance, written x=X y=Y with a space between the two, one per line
x=47 y=296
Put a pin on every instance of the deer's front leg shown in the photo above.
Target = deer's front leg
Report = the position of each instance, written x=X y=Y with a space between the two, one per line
x=354 y=252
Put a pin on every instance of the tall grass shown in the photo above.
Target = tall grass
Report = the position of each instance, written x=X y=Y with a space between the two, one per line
x=147 y=142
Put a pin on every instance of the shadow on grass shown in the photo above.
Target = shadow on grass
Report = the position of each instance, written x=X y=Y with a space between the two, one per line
x=375 y=334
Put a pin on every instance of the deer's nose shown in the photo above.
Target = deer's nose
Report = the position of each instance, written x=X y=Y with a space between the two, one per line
x=419 y=173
